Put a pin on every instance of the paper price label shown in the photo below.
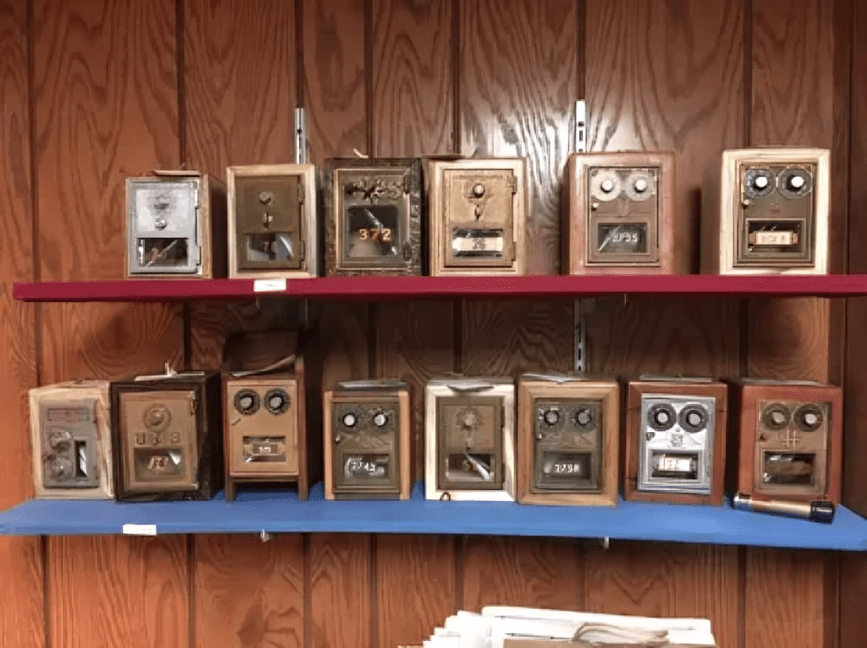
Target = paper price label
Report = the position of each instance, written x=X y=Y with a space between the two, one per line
x=269 y=285
x=140 y=529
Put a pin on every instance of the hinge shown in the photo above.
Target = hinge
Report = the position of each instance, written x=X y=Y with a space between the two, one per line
x=199 y=258
x=581 y=126
x=300 y=136
x=512 y=185
x=193 y=404
x=301 y=192
x=406 y=187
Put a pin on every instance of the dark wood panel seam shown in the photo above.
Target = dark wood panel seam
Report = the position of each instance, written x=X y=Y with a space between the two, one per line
x=368 y=77
x=457 y=335
x=853 y=38
x=373 y=368
x=747 y=136
x=742 y=594
x=191 y=589
x=832 y=599
x=373 y=608
x=307 y=590
x=581 y=55
x=299 y=52
x=456 y=77
x=46 y=589
x=36 y=270
x=459 y=572
x=181 y=79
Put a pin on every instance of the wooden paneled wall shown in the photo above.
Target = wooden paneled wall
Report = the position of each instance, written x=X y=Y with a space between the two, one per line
x=96 y=90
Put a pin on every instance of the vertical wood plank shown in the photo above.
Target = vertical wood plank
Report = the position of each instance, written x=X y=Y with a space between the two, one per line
x=105 y=108
x=531 y=572
x=334 y=92
x=794 y=72
x=240 y=92
x=794 y=78
x=118 y=591
x=666 y=76
x=784 y=603
x=21 y=615
x=653 y=579
x=249 y=593
x=522 y=105
x=340 y=578
x=412 y=77
x=415 y=587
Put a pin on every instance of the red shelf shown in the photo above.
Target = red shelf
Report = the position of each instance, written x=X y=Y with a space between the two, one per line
x=336 y=288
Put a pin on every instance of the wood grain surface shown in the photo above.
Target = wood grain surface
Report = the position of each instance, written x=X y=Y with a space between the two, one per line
x=415 y=578
x=792 y=103
x=249 y=592
x=522 y=105
x=411 y=77
x=532 y=572
x=666 y=76
x=656 y=579
x=105 y=83
x=506 y=338
x=21 y=559
x=784 y=598
x=340 y=591
x=118 y=591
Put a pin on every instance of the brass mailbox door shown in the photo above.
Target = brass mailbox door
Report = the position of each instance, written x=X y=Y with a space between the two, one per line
x=162 y=226
x=792 y=448
x=366 y=445
x=623 y=215
x=69 y=443
x=373 y=209
x=269 y=222
x=263 y=429
x=159 y=435
x=479 y=217
x=470 y=442
x=568 y=445
x=776 y=215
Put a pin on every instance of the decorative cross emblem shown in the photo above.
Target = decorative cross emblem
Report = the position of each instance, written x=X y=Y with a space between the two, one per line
x=790 y=438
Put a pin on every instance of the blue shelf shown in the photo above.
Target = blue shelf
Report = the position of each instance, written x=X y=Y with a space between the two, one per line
x=281 y=511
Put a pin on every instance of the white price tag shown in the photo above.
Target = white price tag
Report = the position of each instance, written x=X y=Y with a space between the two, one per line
x=269 y=285
x=140 y=529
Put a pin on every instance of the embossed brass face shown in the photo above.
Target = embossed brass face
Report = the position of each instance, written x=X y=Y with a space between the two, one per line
x=791 y=449
x=158 y=429
x=269 y=222
x=373 y=208
x=677 y=443
x=623 y=209
x=69 y=447
x=479 y=217
x=567 y=445
x=163 y=228
x=776 y=216
x=470 y=440
x=262 y=427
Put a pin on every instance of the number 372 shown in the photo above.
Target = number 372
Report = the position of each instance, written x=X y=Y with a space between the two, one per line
x=375 y=234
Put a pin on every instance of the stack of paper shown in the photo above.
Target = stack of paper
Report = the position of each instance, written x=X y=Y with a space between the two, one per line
x=512 y=627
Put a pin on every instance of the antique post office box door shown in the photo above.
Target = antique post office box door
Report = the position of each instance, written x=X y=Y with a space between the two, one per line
x=263 y=433
x=623 y=204
x=366 y=445
x=373 y=208
x=676 y=443
x=791 y=448
x=69 y=444
x=568 y=445
x=162 y=226
x=776 y=223
x=470 y=441
x=479 y=217
x=159 y=434
x=269 y=222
